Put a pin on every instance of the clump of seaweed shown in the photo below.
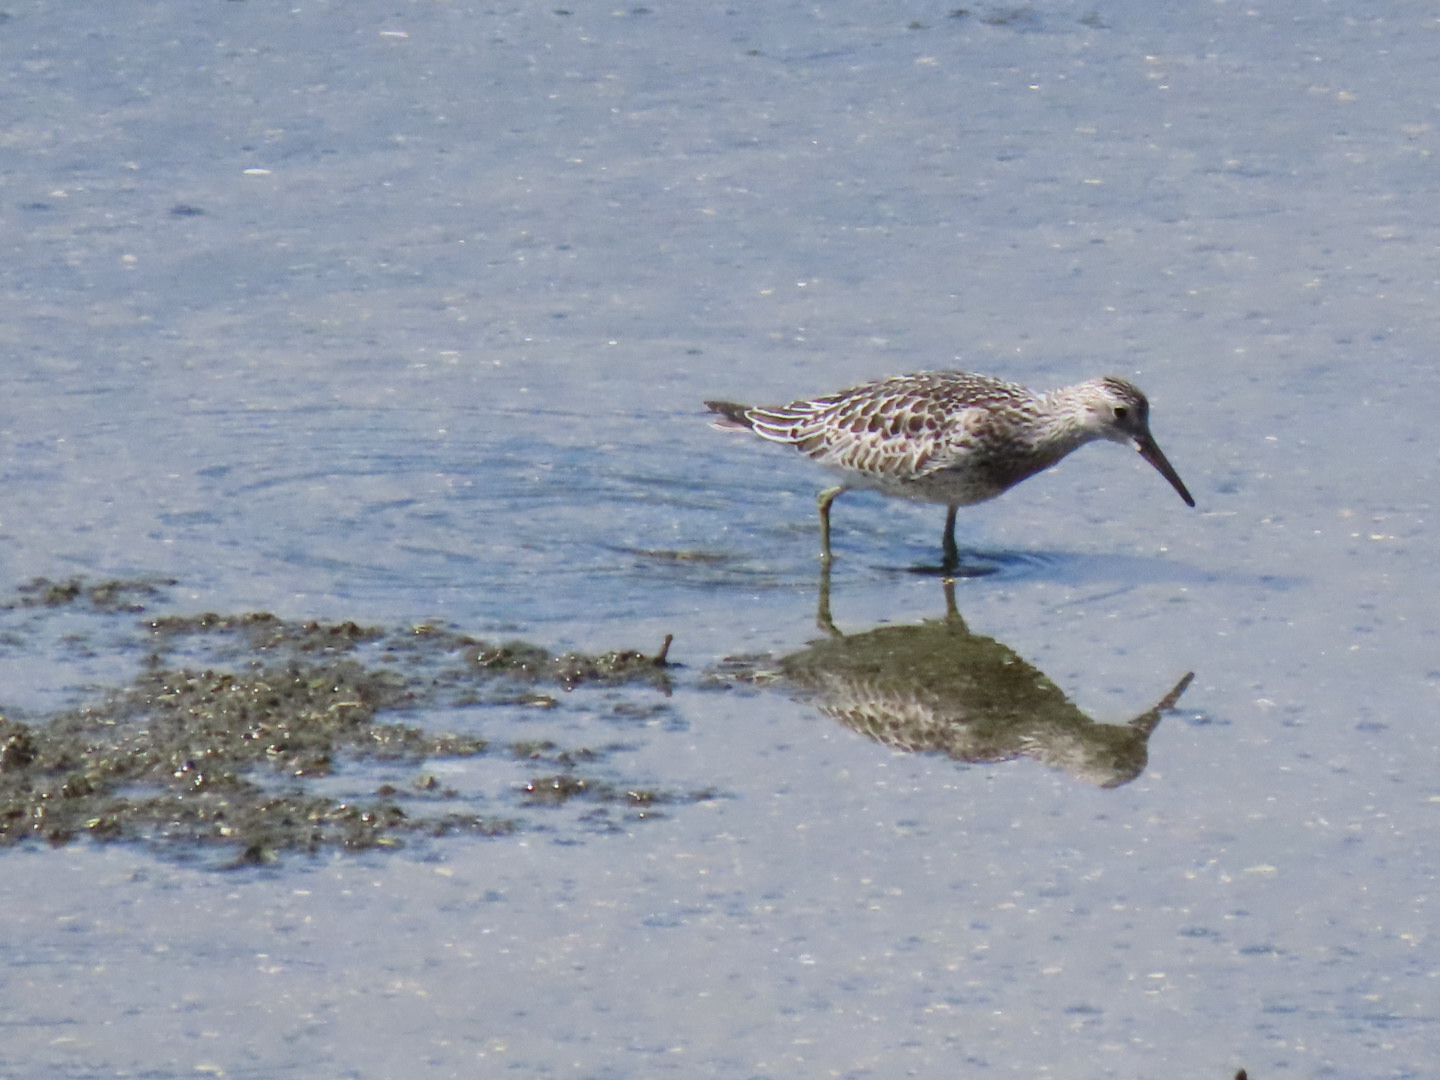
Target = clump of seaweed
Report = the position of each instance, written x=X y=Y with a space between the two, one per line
x=195 y=756
x=231 y=722
x=569 y=670
x=104 y=596
x=262 y=631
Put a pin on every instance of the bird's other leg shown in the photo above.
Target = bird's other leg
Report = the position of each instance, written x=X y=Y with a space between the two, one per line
x=824 y=499
x=951 y=561
x=823 y=619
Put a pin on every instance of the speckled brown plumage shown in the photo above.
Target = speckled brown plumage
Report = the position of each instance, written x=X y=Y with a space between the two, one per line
x=950 y=436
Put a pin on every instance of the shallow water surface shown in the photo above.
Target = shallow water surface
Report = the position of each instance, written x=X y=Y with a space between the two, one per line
x=404 y=315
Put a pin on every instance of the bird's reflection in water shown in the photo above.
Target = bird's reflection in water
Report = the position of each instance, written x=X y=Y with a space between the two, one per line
x=936 y=687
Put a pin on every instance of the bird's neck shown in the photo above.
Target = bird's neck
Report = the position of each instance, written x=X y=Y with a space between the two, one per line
x=1064 y=421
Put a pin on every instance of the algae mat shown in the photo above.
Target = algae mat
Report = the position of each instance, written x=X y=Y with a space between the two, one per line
x=251 y=735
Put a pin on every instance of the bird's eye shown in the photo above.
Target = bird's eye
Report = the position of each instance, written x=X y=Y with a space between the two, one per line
x=1121 y=412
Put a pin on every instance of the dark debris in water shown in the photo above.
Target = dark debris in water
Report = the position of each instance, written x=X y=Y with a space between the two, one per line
x=232 y=722
x=569 y=670
x=261 y=631
x=104 y=597
x=554 y=790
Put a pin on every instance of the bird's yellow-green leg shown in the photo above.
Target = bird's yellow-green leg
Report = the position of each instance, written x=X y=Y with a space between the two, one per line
x=823 y=618
x=952 y=553
x=824 y=499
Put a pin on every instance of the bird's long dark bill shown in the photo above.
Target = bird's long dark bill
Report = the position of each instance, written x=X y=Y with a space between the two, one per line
x=1151 y=453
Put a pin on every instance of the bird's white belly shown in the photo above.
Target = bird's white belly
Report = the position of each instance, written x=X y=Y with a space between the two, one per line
x=950 y=487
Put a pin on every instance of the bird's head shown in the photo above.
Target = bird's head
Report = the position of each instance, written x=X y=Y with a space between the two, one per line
x=1118 y=411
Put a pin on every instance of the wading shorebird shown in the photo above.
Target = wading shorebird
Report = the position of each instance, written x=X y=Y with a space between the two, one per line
x=950 y=437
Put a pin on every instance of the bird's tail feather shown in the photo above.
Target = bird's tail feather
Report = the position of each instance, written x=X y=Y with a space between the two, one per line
x=733 y=416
